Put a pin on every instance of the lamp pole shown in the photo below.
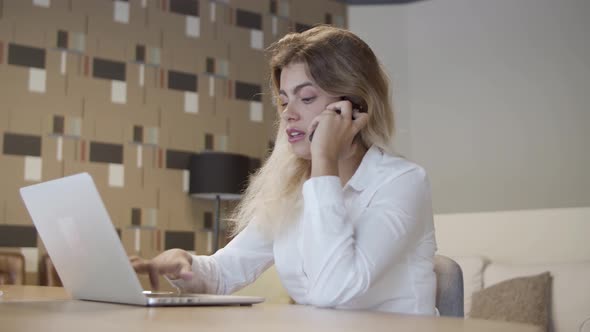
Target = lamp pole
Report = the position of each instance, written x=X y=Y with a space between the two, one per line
x=216 y=223
x=217 y=176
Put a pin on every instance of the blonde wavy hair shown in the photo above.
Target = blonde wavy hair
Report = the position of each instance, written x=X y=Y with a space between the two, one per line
x=341 y=64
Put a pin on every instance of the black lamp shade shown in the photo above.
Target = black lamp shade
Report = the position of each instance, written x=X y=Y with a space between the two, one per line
x=220 y=174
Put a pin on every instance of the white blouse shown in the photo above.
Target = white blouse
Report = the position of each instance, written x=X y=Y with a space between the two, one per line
x=367 y=245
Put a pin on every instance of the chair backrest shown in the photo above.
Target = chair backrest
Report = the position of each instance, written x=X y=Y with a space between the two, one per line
x=47 y=273
x=12 y=268
x=449 y=286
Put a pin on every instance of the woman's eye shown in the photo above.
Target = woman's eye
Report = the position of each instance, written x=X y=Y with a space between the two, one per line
x=308 y=100
x=284 y=104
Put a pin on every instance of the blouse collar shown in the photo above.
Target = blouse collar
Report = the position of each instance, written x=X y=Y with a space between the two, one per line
x=364 y=173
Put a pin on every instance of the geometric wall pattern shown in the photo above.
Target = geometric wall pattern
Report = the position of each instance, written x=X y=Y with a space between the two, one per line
x=126 y=91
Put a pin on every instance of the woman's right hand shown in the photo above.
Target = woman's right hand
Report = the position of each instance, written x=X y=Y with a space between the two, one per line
x=173 y=264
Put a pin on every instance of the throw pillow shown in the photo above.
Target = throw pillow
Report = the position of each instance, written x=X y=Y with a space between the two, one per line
x=519 y=300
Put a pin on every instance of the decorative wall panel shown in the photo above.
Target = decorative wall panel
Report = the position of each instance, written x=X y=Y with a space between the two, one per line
x=126 y=91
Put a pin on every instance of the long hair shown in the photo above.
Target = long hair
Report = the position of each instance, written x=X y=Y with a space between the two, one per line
x=341 y=64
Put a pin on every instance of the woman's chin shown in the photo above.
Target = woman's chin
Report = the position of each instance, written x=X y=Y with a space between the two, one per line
x=301 y=152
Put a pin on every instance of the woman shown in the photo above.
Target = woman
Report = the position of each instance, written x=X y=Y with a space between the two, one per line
x=348 y=224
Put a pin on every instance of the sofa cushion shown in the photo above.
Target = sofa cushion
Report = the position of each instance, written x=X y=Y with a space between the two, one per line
x=570 y=295
x=472 y=267
x=519 y=300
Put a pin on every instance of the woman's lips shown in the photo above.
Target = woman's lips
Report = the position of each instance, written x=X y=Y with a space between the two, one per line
x=295 y=135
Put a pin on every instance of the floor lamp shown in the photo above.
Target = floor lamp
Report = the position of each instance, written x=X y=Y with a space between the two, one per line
x=218 y=176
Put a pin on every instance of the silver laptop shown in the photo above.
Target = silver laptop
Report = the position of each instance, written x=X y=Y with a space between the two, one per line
x=84 y=246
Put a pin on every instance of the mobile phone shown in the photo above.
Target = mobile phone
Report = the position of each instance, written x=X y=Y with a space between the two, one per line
x=355 y=106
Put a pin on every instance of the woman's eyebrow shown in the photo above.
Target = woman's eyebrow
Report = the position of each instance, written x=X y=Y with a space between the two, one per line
x=296 y=89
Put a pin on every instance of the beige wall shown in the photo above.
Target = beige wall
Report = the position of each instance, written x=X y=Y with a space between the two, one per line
x=492 y=98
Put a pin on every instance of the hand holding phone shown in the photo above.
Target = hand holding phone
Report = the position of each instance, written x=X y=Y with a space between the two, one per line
x=355 y=106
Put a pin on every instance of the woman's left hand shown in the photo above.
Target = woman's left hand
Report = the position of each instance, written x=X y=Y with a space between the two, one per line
x=335 y=132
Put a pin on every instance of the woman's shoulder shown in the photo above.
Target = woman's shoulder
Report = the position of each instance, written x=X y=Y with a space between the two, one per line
x=397 y=165
x=396 y=174
x=380 y=168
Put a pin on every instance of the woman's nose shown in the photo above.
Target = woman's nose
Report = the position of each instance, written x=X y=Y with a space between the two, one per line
x=290 y=114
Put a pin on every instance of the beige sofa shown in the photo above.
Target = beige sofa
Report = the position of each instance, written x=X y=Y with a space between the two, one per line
x=497 y=246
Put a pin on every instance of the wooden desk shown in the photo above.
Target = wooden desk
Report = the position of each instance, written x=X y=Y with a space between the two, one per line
x=32 y=308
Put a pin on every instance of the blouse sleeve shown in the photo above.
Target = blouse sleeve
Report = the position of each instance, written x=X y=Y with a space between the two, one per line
x=233 y=267
x=342 y=261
